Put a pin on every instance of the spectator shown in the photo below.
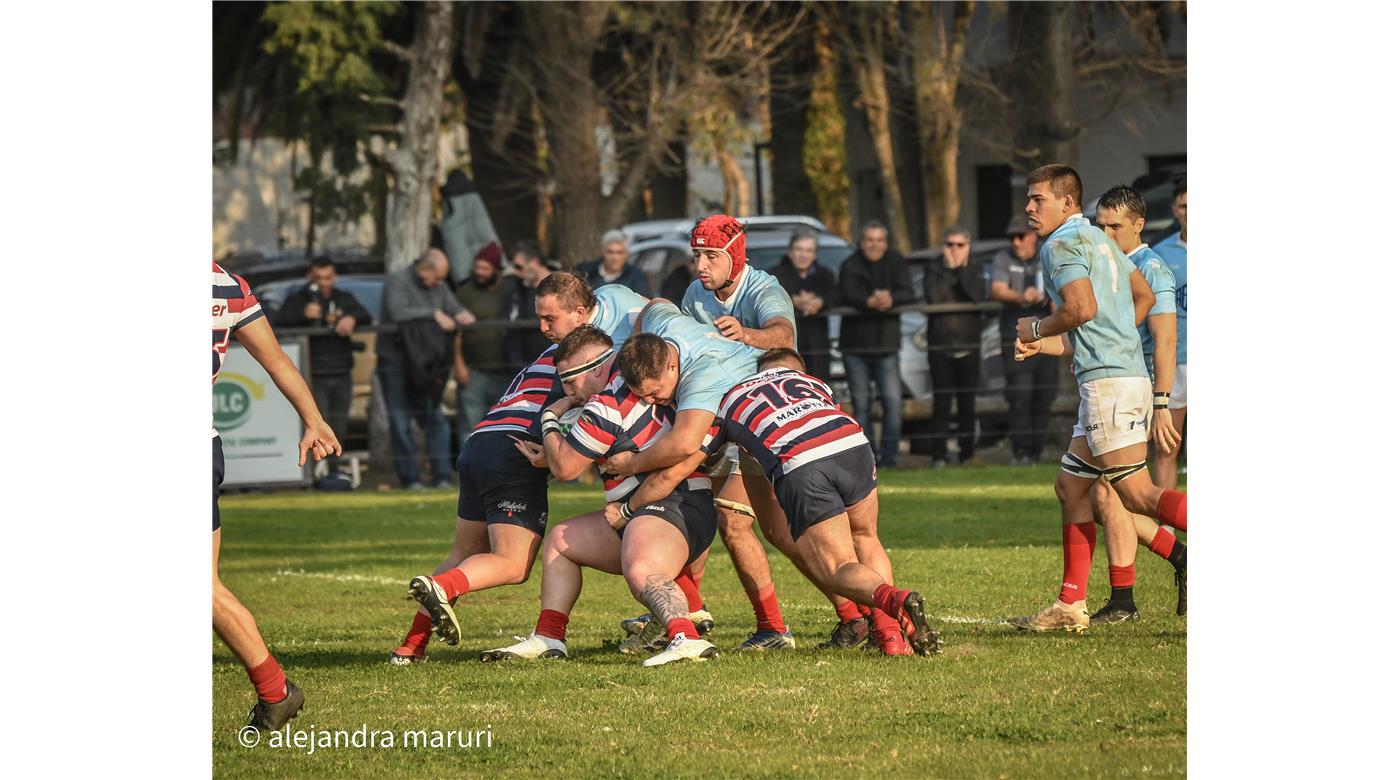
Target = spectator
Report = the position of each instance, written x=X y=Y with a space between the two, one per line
x=813 y=291
x=673 y=287
x=613 y=268
x=466 y=226
x=874 y=280
x=417 y=293
x=955 y=344
x=523 y=345
x=319 y=303
x=1173 y=253
x=479 y=363
x=1018 y=284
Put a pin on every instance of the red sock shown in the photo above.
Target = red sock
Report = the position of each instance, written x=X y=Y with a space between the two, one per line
x=765 y=610
x=1077 y=539
x=1122 y=576
x=691 y=589
x=268 y=678
x=1171 y=509
x=418 y=634
x=865 y=611
x=552 y=623
x=682 y=626
x=454 y=581
x=890 y=599
x=848 y=611
x=1162 y=542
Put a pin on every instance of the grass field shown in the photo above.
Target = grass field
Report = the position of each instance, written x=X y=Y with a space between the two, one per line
x=326 y=577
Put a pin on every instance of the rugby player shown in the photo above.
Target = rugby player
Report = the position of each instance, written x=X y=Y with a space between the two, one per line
x=1099 y=298
x=1172 y=250
x=503 y=502
x=822 y=469
x=649 y=549
x=1122 y=213
x=237 y=314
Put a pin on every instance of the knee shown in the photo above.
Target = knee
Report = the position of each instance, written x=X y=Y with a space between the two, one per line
x=1067 y=489
x=1139 y=497
x=521 y=573
x=1102 y=498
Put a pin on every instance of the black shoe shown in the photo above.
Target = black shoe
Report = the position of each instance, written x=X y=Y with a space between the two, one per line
x=271 y=716
x=1111 y=614
x=848 y=634
x=1181 y=592
x=924 y=640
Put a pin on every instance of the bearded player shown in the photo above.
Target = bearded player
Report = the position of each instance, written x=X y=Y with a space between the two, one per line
x=648 y=548
x=1099 y=299
x=503 y=501
x=237 y=314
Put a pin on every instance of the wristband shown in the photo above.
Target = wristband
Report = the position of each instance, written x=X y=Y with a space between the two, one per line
x=550 y=426
x=1035 y=329
x=1159 y=404
x=548 y=415
x=626 y=510
x=1160 y=399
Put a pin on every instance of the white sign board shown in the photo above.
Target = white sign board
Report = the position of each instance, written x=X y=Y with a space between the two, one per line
x=259 y=427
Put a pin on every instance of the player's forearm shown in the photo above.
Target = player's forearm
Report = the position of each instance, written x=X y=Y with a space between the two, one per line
x=1163 y=329
x=564 y=462
x=293 y=385
x=779 y=334
x=669 y=450
x=660 y=484
x=1064 y=320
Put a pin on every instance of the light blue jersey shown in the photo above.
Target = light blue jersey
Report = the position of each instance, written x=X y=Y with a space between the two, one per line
x=1173 y=253
x=710 y=364
x=618 y=308
x=1163 y=285
x=758 y=299
x=1108 y=345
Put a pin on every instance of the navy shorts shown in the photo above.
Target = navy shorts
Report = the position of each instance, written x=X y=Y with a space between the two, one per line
x=823 y=489
x=218 y=476
x=499 y=485
x=692 y=512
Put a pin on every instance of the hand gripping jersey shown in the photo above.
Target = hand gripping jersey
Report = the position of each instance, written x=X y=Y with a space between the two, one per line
x=785 y=419
x=709 y=363
x=616 y=421
x=535 y=387
x=1108 y=345
x=618 y=308
x=757 y=298
x=1163 y=285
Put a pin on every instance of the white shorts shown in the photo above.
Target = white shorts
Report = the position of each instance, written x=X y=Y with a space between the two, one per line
x=1113 y=412
x=736 y=460
x=1178 y=399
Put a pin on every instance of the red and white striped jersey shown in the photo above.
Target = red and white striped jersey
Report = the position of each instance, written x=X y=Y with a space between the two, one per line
x=234 y=306
x=615 y=421
x=535 y=387
x=784 y=419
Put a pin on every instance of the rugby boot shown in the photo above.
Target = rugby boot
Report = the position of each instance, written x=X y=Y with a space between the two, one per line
x=683 y=649
x=769 y=640
x=531 y=647
x=847 y=634
x=271 y=716
x=1111 y=614
x=1058 y=616
x=434 y=599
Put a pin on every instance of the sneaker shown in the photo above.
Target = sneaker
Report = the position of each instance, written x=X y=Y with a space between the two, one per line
x=683 y=649
x=434 y=600
x=529 y=648
x=271 y=716
x=414 y=486
x=847 y=634
x=1181 y=592
x=940 y=463
x=1069 y=617
x=1111 y=614
x=924 y=640
x=651 y=637
x=769 y=640
x=405 y=657
x=442 y=484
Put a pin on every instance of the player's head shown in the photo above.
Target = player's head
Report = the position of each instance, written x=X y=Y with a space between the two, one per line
x=431 y=267
x=563 y=301
x=614 y=251
x=781 y=357
x=1053 y=194
x=322 y=274
x=650 y=367
x=1179 y=205
x=583 y=361
x=802 y=248
x=1122 y=215
x=720 y=250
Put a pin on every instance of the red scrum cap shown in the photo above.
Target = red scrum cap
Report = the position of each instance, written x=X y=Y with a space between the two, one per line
x=725 y=233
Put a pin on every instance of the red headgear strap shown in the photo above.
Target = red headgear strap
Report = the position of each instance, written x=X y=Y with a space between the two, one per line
x=725 y=233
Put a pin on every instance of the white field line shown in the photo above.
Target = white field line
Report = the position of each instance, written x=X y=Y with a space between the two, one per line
x=320 y=575
x=972 y=620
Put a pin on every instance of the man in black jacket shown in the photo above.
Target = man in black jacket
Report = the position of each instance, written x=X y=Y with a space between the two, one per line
x=813 y=291
x=874 y=280
x=524 y=344
x=954 y=343
x=317 y=304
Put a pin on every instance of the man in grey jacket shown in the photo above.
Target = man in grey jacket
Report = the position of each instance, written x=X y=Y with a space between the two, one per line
x=417 y=292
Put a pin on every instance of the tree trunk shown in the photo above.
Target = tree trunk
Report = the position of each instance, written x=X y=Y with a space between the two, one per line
x=938 y=55
x=736 y=184
x=869 y=66
x=414 y=160
x=1044 y=90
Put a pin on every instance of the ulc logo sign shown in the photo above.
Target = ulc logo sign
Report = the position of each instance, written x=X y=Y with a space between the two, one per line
x=233 y=400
